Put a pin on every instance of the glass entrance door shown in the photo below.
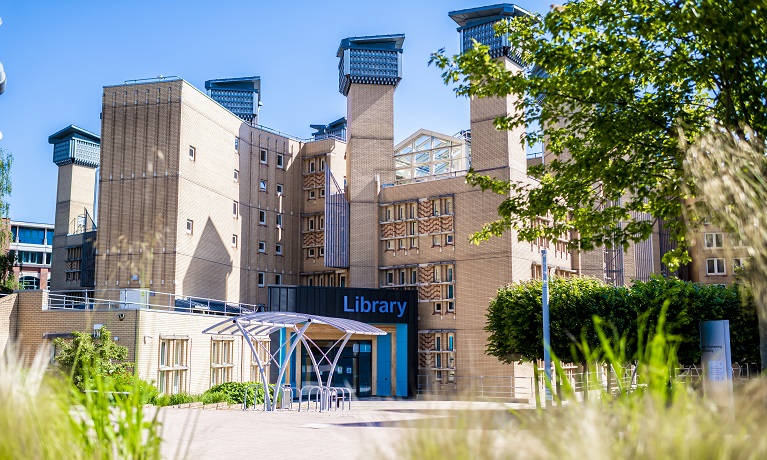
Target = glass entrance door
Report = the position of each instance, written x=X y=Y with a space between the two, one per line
x=354 y=369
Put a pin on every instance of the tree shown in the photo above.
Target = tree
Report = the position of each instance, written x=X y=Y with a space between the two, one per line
x=609 y=86
x=7 y=258
x=84 y=357
x=515 y=324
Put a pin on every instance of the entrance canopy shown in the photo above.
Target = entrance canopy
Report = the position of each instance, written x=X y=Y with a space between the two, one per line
x=267 y=322
x=256 y=326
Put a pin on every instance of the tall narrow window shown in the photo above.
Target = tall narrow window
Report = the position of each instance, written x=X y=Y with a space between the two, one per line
x=236 y=176
x=278 y=279
x=279 y=189
x=234 y=241
x=279 y=220
x=311 y=166
x=262 y=217
x=262 y=185
x=280 y=160
x=237 y=144
x=190 y=226
x=192 y=153
x=235 y=209
x=262 y=246
x=278 y=249
x=261 y=279
x=264 y=156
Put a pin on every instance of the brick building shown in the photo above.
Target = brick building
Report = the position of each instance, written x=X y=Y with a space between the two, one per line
x=197 y=201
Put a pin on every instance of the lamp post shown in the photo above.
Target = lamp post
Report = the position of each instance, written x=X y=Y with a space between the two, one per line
x=546 y=338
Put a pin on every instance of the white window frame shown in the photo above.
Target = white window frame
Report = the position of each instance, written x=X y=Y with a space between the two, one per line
x=189 y=227
x=235 y=209
x=192 y=153
x=262 y=185
x=262 y=247
x=279 y=220
x=713 y=240
x=281 y=161
x=261 y=279
x=278 y=249
x=718 y=264
x=236 y=176
x=279 y=189
x=263 y=156
x=235 y=241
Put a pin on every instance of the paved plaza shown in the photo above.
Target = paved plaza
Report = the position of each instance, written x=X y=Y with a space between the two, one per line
x=372 y=429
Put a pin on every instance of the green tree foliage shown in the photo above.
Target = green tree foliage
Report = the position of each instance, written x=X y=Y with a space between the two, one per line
x=7 y=258
x=514 y=318
x=608 y=86
x=85 y=357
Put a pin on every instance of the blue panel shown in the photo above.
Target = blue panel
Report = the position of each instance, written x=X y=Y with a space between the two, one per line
x=383 y=366
x=281 y=356
x=402 y=364
x=296 y=366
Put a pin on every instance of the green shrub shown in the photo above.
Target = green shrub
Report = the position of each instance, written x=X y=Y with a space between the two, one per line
x=234 y=392
x=212 y=397
x=182 y=398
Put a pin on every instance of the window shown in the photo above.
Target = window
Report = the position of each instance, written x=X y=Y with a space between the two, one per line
x=448 y=206
x=278 y=279
x=311 y=224
x=263 y=156
x=234 y=241
x=713 y=240
x=322 y=223
x=311 y=166
x=235 y=209
x=413 y=242
x=414 y=276
x=402 y=277
x=737 y=263
x=312 y=195
x=278 y=249
x=401 y=243
x=715 y=267
x=221 y=360
x=322 y=165
x=236 y=176
x=311 y=252
x=342 y=281
x=262 y=185
x=449 y=273
x=400 y=212
x=448 y=239
x=435 y=208
x=280 y=160
x=189 y=226
x=236 y=144
x=389 y=277
x=262 y=246
x=279 y=220
x=388 y=214
x=322 y=251
x=451 y=307
x=438 y=307
x=279 y=189
x=261 y=279
x=389 y=245
x=173 y=365
x=436 y=241
x=192 y=153
x=322 y=193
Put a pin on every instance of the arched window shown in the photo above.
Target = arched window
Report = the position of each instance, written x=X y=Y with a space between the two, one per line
x=29 y=282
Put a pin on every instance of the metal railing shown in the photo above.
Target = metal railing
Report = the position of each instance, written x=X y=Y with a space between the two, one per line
x=511 y=388
x=132 y=299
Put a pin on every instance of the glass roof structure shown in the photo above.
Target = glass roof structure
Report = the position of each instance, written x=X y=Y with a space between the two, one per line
x=427 y=155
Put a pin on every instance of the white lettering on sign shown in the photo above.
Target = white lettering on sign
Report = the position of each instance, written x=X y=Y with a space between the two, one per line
x=361 y=305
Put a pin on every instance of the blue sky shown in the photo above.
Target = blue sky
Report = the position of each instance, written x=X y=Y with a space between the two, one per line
x=58 y=55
